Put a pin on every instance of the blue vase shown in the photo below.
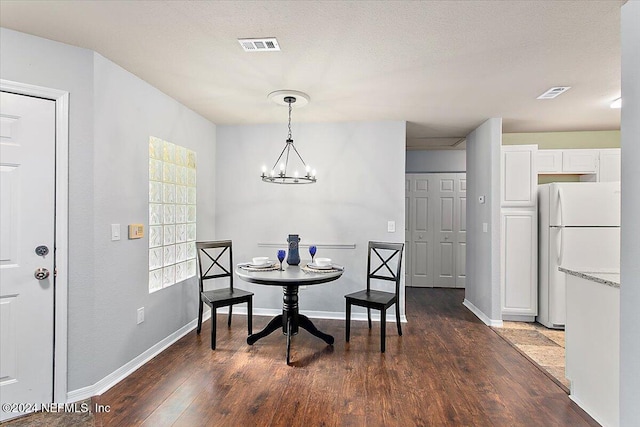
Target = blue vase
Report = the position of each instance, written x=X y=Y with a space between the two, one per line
x=293 y=257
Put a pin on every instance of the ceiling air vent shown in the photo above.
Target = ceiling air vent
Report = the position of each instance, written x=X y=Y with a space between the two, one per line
x=553 y=92
x=269 y=44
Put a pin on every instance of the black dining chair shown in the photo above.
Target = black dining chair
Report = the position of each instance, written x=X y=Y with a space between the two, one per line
x=212 y=267
x=374 y=299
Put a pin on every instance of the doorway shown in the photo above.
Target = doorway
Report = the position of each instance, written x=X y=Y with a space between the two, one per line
x=34 y=130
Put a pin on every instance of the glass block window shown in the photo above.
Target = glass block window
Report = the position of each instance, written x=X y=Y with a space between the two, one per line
x=172 y=214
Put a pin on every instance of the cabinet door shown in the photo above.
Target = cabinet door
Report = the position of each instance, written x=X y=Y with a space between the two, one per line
x=609 y=170
x=580 y=161
x=549 y=161
x=519 y=175
x=519 y=263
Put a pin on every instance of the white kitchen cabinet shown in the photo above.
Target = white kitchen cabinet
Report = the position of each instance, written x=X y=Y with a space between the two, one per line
x=519 y=233
x=519 y=264
x=580 y=161
x=609 y=168
x=549 y=161
x=518 y=175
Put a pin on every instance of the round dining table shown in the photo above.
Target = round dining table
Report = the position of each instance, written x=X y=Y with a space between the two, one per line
x=290 y=279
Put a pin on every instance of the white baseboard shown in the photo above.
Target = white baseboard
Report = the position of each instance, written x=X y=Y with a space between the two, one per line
x=127 y=369
x=480 y=315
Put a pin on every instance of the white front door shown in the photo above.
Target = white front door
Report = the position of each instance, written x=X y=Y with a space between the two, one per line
x=27 y=218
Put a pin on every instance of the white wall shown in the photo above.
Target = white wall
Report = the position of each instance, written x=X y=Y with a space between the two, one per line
x=112 y=114
x=483 y=249
x=419 y=161
x=127 y=111
x=360 y=187
x=630 y=240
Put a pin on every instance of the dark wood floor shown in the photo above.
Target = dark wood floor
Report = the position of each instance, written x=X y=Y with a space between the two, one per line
x=447 y=369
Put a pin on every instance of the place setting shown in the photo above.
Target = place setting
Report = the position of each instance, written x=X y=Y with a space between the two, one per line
x=320 y=264
x=262 y=263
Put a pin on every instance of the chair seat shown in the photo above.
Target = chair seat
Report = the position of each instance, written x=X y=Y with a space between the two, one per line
x=373 y=297
x=225 y=296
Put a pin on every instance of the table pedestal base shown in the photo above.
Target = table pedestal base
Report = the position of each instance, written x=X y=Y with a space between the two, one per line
x=290 y=320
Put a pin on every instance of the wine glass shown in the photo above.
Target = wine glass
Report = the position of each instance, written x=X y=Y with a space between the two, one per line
x=312 y=250
x=281 y=255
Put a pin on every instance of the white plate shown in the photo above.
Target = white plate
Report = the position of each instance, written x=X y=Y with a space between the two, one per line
x=269 y=264
x=320 y=267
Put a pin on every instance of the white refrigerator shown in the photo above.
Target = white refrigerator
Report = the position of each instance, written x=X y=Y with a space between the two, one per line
x=579 y=229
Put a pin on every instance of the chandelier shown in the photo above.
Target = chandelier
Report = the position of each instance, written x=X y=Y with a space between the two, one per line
x=280 y=172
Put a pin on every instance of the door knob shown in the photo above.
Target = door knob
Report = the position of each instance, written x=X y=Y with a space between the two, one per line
x=41 y=273
x=446 y=237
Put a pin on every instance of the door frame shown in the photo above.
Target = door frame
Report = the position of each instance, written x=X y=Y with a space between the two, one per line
x=61 y=255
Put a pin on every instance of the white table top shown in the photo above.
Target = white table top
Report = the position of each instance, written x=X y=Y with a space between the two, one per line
x=292 y=275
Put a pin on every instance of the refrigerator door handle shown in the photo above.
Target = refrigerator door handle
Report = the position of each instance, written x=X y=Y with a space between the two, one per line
x=559 y=246
x=560 y=206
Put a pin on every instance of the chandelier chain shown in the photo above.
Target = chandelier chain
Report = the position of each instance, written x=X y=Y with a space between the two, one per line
x=289 y=136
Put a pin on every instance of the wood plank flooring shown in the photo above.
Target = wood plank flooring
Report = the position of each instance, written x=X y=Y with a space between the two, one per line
x=447 y=369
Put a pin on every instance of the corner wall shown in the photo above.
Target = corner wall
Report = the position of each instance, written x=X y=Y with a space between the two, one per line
x=482 y=293
x=630 y=239
x=112 y=114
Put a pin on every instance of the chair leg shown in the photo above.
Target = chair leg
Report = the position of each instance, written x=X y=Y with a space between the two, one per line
x=250 y=315
x=348 y=326
x=398 y=319
x=213 y=328
x=369 y=316
x=229 y=320
x=200 y=317
x=383 y=328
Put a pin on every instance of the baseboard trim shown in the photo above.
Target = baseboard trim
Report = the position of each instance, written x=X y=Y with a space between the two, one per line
x=480 y=315
x=128 y=368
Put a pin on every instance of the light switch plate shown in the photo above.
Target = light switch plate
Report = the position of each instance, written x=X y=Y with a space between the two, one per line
x=485 y=227
x=391 y=226
x=115 y=232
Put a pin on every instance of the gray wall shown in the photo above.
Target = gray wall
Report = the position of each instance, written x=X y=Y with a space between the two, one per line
x=112 y=114
x=419 y=161
x=630 y=241
x=483 y=249
x=360 y=187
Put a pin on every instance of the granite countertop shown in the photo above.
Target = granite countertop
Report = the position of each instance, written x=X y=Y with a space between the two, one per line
x=606 y=277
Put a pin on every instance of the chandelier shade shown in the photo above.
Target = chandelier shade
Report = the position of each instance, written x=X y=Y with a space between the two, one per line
x=280 y=173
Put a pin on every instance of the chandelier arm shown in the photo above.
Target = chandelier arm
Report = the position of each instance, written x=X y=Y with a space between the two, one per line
x=279 y=157
x=286 y=163
x=299 y=156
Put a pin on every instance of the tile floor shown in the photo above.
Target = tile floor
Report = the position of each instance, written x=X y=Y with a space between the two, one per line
x=543 y=346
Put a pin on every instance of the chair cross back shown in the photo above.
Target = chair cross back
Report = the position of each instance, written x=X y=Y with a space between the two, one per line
x=215 y=262
x=385 y=263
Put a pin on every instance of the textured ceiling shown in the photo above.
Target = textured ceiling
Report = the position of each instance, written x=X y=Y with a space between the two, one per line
x=443 y=66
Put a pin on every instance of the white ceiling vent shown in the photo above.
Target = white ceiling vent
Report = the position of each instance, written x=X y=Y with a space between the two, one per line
x=553 y=92
x=269 y=44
